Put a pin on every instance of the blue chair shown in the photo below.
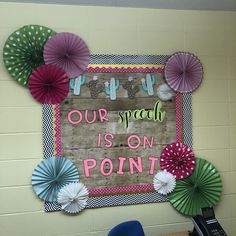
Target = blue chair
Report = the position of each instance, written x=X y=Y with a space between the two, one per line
x=128 y=228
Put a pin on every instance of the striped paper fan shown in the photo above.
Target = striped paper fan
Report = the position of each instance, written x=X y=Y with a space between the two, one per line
x=202 y=189
x=164 y=182
x=67 y=51
x=49 y=84
x=51 y=175
x=73 y=197
x=183 y=72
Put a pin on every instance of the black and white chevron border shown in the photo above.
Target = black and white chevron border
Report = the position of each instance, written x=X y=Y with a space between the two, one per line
x=48 y=144
x=128 y=59
x=52 y=206
x=128 y=199
x=116 y=200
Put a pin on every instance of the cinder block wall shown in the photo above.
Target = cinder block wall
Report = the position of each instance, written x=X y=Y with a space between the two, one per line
x=210 y=35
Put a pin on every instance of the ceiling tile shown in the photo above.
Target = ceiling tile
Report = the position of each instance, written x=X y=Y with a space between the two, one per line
x=161 y=4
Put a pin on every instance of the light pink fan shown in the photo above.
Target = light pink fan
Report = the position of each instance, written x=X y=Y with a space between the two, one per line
x=183 y=72
x=67 y=51
x=49 y=84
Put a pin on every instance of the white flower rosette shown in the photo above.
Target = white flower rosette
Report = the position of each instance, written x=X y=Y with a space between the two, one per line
x=164 y=182
x=73 y=197
x=164 y=92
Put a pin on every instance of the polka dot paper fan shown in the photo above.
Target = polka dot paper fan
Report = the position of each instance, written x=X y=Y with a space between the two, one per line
x=178 y=159
x=23 y=51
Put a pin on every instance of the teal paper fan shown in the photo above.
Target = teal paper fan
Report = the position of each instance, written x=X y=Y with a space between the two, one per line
x=202 y=189
x=51 y=175
x=23 y=51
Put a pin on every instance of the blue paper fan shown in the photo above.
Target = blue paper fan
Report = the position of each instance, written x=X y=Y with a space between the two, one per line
x=52 y=174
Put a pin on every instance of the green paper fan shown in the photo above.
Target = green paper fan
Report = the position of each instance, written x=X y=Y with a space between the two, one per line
x=23 y=51
x=202 y=189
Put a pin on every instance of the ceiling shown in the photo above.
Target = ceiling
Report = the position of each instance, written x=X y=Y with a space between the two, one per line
x=229 y=5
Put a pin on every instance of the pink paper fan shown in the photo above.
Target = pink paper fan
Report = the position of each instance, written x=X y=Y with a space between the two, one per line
x=67 y=51
x=183 y=72
x=49 y=84
x=178 y=159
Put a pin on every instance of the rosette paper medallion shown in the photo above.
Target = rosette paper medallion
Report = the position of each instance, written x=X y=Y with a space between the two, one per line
x=164 y=182
x=49 y=84
x=178 y=159
x=23 y=51
x=51 y=175
x=68 y=51
x=183 y=72
x=202 y=189
x=73 y=197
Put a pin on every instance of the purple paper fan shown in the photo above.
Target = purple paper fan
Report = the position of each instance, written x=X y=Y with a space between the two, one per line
x=67 y=51
x=183 y=72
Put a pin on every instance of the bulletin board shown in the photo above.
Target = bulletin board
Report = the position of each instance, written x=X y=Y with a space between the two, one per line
x=115 y=138
x=117 y=129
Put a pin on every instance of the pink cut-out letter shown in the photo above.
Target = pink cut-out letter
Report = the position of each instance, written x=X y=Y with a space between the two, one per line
x=136 y=137
x=152 y=164
x=77 y=112
x=103 y=163
x=108 y=139
x=103 y=114
x=99 y=140
x=121 y=164
x=88 y=167
x=147 y=141
x=138 y=165
x=86 y=117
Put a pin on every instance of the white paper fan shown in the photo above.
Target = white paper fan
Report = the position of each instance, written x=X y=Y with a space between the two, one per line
x=164 y=92
x=164 y=182
x=73 y=197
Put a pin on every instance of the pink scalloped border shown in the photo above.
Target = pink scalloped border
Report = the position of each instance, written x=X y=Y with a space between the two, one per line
x=179 y=119
x=58 y=130
x=124 y=189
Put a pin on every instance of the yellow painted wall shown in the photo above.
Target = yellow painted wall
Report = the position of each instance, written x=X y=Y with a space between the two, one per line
x=210 y=35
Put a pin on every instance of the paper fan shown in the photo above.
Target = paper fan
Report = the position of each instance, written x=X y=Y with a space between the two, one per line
x=178 y=159
x=202 y=189
x=73 y=197
x=52 y=174
x=164 y=92
x=49 y=84
x=23 y=51
x=67 y=51
x=183 y=72
x=164 y=182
